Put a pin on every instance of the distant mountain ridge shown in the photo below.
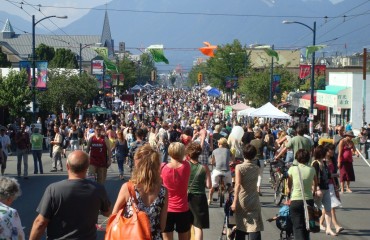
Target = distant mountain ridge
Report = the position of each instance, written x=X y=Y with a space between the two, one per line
x=253 y=21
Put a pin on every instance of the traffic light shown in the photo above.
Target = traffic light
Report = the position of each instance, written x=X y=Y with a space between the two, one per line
x=200 y=77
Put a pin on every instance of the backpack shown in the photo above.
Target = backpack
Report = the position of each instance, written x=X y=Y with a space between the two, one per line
x=316 y=137
x=284 y=222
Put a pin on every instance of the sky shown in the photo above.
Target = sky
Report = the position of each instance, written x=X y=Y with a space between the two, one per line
x=13 y=7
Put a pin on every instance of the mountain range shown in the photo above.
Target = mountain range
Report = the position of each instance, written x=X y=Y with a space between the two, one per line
x=183 y=26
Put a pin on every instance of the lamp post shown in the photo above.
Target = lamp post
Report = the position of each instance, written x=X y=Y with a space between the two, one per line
x=312 y=82
x=82 y=47
x=34 y=23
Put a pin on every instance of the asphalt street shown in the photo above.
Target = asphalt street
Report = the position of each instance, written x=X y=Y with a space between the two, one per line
x=354 y=216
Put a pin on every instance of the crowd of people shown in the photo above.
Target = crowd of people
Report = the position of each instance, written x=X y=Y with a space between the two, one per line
x=169 y=140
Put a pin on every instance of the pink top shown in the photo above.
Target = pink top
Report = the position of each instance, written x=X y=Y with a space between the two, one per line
x=176 y=181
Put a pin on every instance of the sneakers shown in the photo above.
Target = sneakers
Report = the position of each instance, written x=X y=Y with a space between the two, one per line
x=53 y=170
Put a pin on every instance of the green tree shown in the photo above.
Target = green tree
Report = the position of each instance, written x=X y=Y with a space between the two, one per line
x=66 y=89
x=256 y=86
x=193 y=74
x=230 y=60
x=128 y=68
x=44 y=52
x=4 y=62
x=15 y=93
x=145 y=67
x=64 y=58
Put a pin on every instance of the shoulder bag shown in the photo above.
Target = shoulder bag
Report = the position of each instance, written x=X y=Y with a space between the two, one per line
x=311 y=214
x=135 y=227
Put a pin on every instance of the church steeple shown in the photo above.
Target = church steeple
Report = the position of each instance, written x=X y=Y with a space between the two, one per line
x=8 y=31
x=106 y=37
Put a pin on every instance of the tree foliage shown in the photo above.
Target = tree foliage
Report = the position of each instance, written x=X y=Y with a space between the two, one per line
x=193 y=74
x=44 y=52
x=15 y=93
x=4 y=62
x=230 y=60
x=64 y=58
x=128 y=69
x=66 y=89
x=256 y=86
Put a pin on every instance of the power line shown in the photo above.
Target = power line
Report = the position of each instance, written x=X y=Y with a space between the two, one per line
x=179 y=13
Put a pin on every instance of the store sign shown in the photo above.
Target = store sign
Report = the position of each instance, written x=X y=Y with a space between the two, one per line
x=341 y=100
x=304 y=103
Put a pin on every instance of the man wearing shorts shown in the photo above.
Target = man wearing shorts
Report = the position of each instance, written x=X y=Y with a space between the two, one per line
x=98 y=147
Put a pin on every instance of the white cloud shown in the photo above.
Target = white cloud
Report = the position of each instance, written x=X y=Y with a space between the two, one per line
x=52 y=7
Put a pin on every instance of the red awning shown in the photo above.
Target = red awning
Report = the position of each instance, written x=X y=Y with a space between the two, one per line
x=308 y=97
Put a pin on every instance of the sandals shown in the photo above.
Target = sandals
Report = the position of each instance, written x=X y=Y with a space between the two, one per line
x=338 y=230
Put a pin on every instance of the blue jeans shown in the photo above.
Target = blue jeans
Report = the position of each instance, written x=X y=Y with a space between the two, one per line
x=164 y=150
x=120 y=160
x=22 y=153
x=37 y=161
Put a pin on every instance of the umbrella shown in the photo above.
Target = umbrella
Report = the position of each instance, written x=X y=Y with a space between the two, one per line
x=214 y=92
x=98 y=110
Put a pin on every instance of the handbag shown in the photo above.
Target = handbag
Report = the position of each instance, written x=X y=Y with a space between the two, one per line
x=311 y=214
x=135 y=227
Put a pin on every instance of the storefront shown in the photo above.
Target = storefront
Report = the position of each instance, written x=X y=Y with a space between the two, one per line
x=338 y=99
x=320 y=111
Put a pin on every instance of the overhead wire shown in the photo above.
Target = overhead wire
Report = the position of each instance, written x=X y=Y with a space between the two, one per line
x=174 y=12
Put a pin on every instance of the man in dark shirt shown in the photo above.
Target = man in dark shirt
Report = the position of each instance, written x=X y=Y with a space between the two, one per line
x=69 y=209
x=22 y=140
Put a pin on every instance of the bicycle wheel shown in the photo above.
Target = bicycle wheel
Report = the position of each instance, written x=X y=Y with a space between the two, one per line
x=272 y=178
x=221 y=193
x=278 y=194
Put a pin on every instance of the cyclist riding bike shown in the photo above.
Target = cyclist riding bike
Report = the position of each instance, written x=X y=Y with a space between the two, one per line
x=220 y=158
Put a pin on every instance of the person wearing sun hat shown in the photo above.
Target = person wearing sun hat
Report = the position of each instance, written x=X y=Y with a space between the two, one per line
x=346 y=149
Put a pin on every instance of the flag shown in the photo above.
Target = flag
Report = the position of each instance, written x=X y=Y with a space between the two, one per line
x=271 y=53
x=157 y=53
x=103 y=52
x=312 y=49
x=208 y=50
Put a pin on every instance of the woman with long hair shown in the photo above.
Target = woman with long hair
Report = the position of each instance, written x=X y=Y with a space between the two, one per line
x=175 y=175
x=150 y=193
x=346 y=148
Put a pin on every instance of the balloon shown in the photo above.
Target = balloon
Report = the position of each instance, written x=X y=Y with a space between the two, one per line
x=237 y=133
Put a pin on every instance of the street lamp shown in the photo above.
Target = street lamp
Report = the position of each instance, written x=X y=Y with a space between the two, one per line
x=312 y=83
x=82 y=47
x=34 y=23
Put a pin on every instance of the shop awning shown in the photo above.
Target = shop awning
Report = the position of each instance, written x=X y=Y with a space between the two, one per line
x=336 y=97
x=305 y=102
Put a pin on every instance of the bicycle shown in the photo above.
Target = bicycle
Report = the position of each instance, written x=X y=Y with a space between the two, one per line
x=221 y=190
x=280 y=190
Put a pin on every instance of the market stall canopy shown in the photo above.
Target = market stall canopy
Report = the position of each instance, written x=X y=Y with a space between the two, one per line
x=136 y=88
x=148 y=86
x=214 y=92
x=239 y=107
x=269 y=111
x=97 y=110
x=246 y=112
x=207 y=88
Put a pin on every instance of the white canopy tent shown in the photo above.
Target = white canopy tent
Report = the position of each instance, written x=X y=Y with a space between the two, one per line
x=207 y=88
x=245 y=112
x=269 y=111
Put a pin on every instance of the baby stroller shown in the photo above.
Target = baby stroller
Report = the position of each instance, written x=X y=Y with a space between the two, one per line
x=284 y=223
x=228 y=228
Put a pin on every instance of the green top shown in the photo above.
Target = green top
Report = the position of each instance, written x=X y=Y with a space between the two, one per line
x=198 y=186
x=308 y=174
x=36 y=140
x=298 y=142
